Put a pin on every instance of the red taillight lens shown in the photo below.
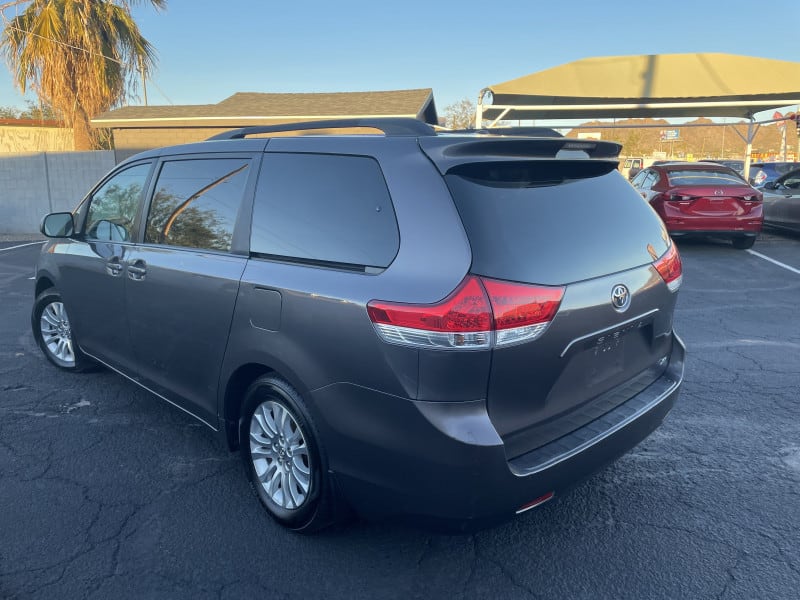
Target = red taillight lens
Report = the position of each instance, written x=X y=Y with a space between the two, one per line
x=465 y=310
x=521 y=311
x=470 y=316
x=670 y=268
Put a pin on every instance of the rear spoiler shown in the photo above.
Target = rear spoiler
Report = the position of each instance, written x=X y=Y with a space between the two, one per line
x=446 y=152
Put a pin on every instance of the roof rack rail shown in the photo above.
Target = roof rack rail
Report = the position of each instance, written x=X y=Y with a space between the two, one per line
x=397 y=126
x=519 y=131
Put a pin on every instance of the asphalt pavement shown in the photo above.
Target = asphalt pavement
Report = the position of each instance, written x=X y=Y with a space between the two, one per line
x=107 y=492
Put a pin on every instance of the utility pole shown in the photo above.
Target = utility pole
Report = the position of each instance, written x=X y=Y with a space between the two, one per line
x=144 y=82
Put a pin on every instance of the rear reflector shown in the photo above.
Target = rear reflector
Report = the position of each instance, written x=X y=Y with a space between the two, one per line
x=670 y=268
x=535 y=503
x=480 y=313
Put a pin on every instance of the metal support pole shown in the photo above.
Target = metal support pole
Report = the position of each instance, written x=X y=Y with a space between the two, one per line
x=751 y=133
x=783 y=139
x=479 y=111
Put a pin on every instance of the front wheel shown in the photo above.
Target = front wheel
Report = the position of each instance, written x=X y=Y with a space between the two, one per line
x=283 y=458
x=53 y=332
x=743 y=243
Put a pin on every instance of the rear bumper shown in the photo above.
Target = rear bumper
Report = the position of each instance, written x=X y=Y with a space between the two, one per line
x=724 y=229
x=445 y=461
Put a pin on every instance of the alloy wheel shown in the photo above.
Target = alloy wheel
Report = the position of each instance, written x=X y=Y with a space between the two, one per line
x=57 y=333
x=280 y=455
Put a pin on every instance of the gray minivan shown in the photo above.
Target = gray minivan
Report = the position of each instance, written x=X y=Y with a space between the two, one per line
x=453 y=326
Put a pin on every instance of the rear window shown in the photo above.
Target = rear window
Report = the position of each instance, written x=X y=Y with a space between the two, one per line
x=703 y=177
x=786 y=167
x=553 y=222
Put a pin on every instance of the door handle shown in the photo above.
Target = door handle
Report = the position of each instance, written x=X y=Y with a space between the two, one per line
x=114 y=267
x=137 y=270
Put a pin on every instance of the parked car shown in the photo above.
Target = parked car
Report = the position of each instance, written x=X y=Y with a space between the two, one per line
x=701 y=199
x=762 y=173
x=631 y=166
x=453 y=327
x=782 y=202
x=736 y=165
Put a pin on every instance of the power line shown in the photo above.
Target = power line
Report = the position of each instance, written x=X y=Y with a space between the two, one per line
x=79 y=49
x=66 y=45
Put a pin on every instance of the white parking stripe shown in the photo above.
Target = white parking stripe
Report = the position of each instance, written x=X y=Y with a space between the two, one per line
x=20 y=246
x=773 y=261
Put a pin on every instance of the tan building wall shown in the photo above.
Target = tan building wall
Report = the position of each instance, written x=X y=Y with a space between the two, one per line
x=35 y=139
x=128 y=142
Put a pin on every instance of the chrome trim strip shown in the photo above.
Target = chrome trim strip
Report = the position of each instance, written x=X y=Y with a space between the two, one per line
x=188 y=412
x=607 y=329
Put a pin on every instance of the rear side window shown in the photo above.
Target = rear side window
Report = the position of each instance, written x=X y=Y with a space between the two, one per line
x=699 y=177
x=324 y=209
x=196 y=202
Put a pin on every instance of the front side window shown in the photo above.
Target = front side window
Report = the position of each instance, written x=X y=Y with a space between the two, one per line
x=113 y=207
x=196 y=202
x=324 y=209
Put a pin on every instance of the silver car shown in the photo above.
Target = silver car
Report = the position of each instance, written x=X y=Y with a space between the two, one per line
x=782 y=202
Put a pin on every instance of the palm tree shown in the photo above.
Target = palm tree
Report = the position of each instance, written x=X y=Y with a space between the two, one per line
x=82 y=57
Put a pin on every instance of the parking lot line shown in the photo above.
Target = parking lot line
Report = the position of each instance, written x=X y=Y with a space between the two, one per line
x=773 y=261
x=20 y=246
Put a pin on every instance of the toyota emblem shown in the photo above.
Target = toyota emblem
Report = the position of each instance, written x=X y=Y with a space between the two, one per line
x=620 y=298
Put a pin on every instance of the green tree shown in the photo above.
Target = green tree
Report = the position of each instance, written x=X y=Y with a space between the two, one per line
x=9 y=112
x=460 y=115
x=81 y=57
x=39 y=112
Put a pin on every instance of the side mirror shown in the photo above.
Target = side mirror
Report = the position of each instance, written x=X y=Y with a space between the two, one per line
x=58 y=225
x=770 y=185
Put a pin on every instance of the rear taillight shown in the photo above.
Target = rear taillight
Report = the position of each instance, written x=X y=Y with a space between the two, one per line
x=670 y=268
x=521 y=312
x=480 y=313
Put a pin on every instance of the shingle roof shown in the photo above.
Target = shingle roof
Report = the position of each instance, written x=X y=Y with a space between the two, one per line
x=248 y=108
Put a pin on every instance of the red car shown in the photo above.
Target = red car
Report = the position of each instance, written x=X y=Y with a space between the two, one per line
x=703 y=199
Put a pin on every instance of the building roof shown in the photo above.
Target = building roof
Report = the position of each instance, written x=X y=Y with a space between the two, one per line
x=253 y=108
x=652 y=85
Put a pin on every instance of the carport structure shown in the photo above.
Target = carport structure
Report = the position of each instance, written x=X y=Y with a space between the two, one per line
x=648 y=86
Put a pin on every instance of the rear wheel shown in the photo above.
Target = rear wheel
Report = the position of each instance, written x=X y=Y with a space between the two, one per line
x=53 y=332
x=743 y=243
x=283 y=458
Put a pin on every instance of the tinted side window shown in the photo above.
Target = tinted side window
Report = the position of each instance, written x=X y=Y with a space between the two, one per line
x=196 y=202
x=113 y=207
x=324 y=208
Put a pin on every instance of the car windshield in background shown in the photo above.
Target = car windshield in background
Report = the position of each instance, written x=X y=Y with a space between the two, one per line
x=698 y=177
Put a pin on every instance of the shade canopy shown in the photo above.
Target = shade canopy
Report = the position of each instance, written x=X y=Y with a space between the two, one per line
x=647 y=86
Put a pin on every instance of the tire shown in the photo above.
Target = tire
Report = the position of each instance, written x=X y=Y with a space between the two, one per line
x=743 y=243
x=285 y=464
x=53 y=333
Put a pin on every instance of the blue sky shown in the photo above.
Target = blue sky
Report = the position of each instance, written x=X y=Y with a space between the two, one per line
x=208 y=51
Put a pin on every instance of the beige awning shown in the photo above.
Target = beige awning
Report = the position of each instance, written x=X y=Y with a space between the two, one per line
x=654 y=85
